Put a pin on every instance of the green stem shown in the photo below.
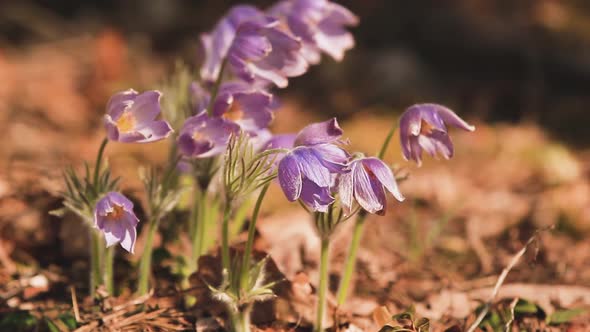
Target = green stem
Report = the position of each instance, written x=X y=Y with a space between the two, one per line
x=95 y=261
x=349 y=266
x=215 y=89
x=250 y=242
x=97 y=166
x=241 y=320
x=199 y=224
x=323 y=286
x=146 y=259
x=225 y=257
x=109 y=259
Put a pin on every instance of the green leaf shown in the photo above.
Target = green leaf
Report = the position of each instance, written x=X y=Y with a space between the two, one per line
x=564 y=316
x=51 y=326
x=18 y=321
x=69 y=320
x=525 y=308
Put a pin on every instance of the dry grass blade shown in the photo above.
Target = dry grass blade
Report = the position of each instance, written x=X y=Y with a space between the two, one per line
x=501 y=280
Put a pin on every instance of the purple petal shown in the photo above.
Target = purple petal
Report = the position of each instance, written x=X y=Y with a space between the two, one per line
x=345 y=191
x=155 y=131
x=332 y=157
x=449 y=117
x=121 y=200
x=443 y=144
x=146 y=107
x=284 y=141
x=368 y=195
x=318 y=133
x=415 y=151
x=289 y=176
x=316 y=197
x=119 y=101
x=111 y=127
x=311 y=167
x=385 y=176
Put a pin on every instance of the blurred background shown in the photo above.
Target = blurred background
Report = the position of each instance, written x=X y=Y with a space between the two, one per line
x=518 y=70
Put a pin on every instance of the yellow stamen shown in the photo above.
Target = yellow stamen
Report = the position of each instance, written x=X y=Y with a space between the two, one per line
x=426 y=128
x=234 y=113
x=126 y=122
x=117 y=213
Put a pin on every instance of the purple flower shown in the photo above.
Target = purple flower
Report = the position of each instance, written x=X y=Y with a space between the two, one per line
x=216 y=43
x=249 y=107
x=261 y=51
x=131 y=117
x=366 y=183
x=320 y=24
x=307 y=172
x=424 y=127
x=114 y=216
x=202 y=136
x=255 y=46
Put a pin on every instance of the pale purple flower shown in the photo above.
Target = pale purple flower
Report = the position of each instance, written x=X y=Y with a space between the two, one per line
x=424 y=127
x=217 y=43
x=262 y=51
x=131 y=117
x=113 y=215
x=202 y=136
x=320 y=24
x=249 y=107
x=366 y=184
x=307 y=172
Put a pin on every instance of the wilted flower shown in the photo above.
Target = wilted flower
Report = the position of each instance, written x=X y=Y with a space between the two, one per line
x=424 y=127
x=307 y=171
x=320 y=24
x=114 y=216
x=365 y=183
x=131 y=117
x=249 y=107
x=202 y=136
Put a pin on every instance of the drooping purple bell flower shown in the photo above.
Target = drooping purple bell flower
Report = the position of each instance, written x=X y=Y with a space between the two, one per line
x=249 y=107
x=307 y=172
x=202 y=136
x=131 y=117
x=320 y=24
x=366 y=184
x=424 y=127
x=113 y=215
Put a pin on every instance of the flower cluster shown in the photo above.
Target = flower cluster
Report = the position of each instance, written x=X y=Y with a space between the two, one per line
x=260 y=49
x=248 y=53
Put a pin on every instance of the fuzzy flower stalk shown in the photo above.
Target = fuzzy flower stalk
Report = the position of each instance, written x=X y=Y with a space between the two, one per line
x=422 y=127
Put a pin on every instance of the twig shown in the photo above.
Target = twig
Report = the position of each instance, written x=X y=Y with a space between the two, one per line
x=75 y=304
x=502 y=278
x=509 y=322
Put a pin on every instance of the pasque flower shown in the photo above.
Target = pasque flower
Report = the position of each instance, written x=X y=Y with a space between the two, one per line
x=249 y=107
x=307 y=172
x=113 y=215
x=366 y=184
x=202 y=136
x=320 y=24
x=255 y=46
x=131 y=117
x=424 y=127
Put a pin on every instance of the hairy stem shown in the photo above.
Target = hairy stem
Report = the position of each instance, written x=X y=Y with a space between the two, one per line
x=250 y=242
x=349 y=266
x=146 y=259
x=357 y=234
x=199 y=223
x=109 y=258
x=225 y=257
x=97 y=166
x=323 y=285
x=215 y=89
x=95 y=261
